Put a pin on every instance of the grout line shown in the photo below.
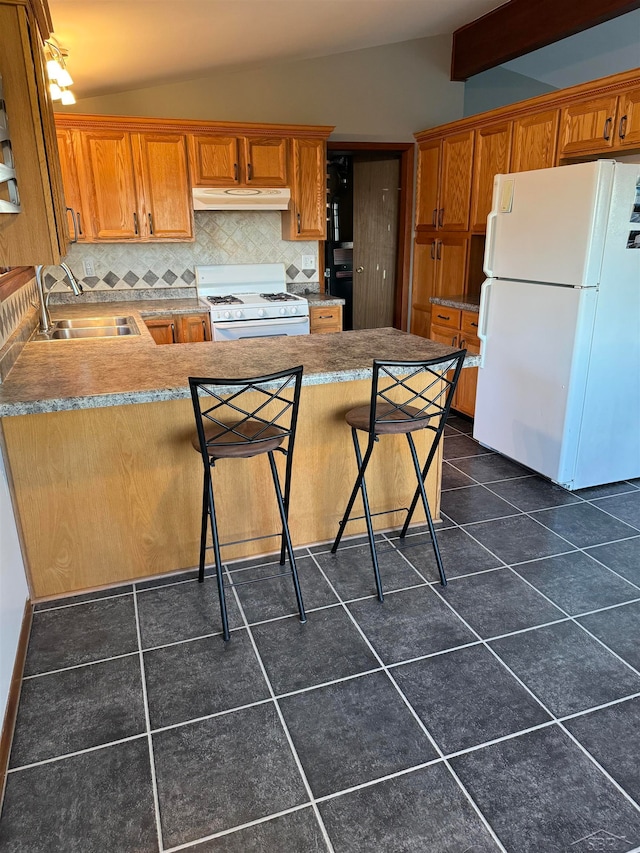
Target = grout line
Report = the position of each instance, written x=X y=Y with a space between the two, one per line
x=42 y=609
x=283 y=723
x=152 y=764
x=75 y=753
x=414 y=714
x=77 y=666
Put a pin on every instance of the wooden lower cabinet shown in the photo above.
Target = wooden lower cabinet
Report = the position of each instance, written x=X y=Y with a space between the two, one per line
x=179 y=328
x=439 y=269
x=457 y=328
x=323 y=320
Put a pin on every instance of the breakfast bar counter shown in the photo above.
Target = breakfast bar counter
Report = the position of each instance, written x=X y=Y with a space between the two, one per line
x=107 y=486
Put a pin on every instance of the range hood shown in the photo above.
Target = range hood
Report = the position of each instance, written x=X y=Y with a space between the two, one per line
x=241 y=198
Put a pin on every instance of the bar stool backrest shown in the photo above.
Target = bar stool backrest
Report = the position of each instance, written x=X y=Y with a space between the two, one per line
x=246 y=411
x=414 y=390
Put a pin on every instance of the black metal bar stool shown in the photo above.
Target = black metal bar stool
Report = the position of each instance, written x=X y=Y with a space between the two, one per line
x=241 y=418
x=406 y=396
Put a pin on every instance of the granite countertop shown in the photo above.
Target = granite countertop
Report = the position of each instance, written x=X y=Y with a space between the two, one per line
x=462 y=302
x=324 y=299
x=92 y=373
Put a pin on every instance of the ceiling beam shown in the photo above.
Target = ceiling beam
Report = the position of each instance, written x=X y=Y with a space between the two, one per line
x=521 y=26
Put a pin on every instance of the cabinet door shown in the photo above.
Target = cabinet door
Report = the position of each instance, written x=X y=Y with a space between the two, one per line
x=465 y=397
x=451 y=263
x=193 y=328
x=628 y=126
x=68 y=153
x=423 y=288
x=534 y=141
x=163 y=329
x=442 y=335
x=162 y=165
x=491 y=157
x=265 y=159
x=588 y=126
x=111 y=187
x=455 y=181
x=427 y=185
x=325 y=320
x=214 y=161
x=306 y=218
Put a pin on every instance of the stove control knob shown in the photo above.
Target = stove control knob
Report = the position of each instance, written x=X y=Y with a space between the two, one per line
x=294 y=310
x=227 y=314
x=283 y=310
x=238 y=313
x=261 y=312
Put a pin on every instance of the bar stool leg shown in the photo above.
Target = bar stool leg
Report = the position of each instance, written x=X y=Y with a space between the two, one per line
x=360 y=486
x=216 y=551
x=287 y=493
x=420 y=476
x=203 y=528
x=287 y=537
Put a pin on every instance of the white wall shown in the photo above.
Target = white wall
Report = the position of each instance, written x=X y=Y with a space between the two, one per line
x=382 y=94
x=13 y=589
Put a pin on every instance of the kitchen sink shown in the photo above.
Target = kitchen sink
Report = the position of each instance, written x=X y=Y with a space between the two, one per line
x=91 y=322
x=89 y=327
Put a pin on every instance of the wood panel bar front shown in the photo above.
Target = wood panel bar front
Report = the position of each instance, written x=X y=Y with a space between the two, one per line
x=113 y=494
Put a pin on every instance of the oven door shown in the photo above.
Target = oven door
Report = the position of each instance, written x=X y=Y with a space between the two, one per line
x=236 y=331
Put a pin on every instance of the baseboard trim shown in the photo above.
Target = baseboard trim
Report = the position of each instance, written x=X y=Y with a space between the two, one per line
x=11 y=712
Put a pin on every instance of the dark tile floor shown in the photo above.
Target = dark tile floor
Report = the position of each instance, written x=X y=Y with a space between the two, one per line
x=499 y=713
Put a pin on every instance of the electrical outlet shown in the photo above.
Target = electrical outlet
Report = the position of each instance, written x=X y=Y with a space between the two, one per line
x=88 y=267
x=308 y=262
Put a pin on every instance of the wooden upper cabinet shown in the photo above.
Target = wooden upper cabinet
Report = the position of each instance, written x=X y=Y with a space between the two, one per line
x=78 y=223
x=455 y=181
x=166 y=207
x=451 y=259
x=534 y=141
x=588 y=126
x=306 y=218
x=628 y=124
x=492 y=157
x=265 y=161
x=215 y=161
x=111 y=186
x=428 y=185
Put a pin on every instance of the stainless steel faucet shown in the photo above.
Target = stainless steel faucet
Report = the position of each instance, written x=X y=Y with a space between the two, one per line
x=43 y=295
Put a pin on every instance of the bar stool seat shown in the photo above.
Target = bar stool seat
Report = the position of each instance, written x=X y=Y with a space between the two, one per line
x=406 y=396
x=243 y=418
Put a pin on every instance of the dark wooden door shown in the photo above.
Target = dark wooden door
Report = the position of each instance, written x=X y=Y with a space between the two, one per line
x=376 y=184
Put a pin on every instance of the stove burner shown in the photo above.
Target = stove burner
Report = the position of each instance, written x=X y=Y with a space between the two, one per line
x=278 y=297
x=224 y=300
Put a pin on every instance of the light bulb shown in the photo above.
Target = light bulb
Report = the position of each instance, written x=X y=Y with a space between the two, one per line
x=64 y=78
x=67 y=97
x=54 y=69
x=55 y=91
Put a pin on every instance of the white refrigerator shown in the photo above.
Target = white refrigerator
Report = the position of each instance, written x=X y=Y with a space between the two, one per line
x=559 y=380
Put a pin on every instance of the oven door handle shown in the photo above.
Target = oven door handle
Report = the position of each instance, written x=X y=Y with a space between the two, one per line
x=244 y=324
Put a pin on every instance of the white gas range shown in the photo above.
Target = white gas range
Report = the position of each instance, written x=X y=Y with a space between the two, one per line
x=250 y=301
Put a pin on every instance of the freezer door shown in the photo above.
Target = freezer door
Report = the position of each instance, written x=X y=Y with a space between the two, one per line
x=531 y=385
x=549 y=225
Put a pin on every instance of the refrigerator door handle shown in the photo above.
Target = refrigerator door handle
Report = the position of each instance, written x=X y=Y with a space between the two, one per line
x=482 y=319
x=490 y=239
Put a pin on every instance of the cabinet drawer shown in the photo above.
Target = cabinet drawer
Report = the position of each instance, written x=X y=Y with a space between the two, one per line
x=469 y=324
x=449 y=317
x=325 y=319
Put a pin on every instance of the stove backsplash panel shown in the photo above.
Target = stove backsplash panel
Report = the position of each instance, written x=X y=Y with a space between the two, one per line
x=222 y=237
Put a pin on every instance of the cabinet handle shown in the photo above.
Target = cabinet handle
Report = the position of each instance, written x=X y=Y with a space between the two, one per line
x=441 y=217
x=135 y=223
x=235 y=171
x=298 y=220
x=475 y=325
x=151 y=224
x=325 y=317
x=204 y=329
x=434 y=218
x=75 y=224
x=462 y=343
x=439 y=251
x=454 y=340
x=442 y=317
x=249 y=171
x=80 y=233
x=173 y=333
x=622 y=129
x=433 y=249
x=607 y=129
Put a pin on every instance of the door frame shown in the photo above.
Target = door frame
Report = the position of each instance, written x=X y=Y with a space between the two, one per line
x=406 y=150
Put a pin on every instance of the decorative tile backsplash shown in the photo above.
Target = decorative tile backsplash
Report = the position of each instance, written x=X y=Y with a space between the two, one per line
x=14 y=308
x=222 y=237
